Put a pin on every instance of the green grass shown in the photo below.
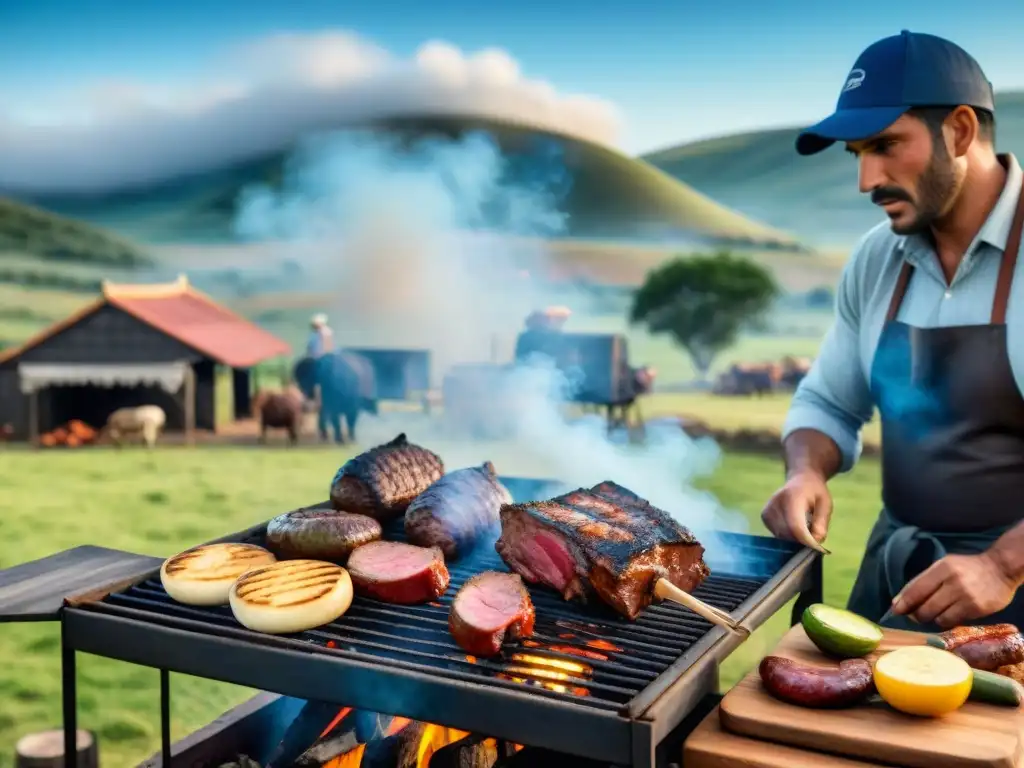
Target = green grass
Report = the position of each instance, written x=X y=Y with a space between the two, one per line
x=161 y=503
x=47 y=236
x=760 y=174
x=611 y=194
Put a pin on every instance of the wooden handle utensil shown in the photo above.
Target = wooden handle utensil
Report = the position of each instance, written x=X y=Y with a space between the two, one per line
x=666 y=590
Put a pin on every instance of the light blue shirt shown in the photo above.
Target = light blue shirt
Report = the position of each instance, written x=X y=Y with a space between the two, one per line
x=834 y=397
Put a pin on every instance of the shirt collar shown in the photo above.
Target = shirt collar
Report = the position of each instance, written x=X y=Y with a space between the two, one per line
x=996 y=229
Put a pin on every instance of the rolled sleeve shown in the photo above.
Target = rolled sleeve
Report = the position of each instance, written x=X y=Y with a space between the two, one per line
x=834 y=397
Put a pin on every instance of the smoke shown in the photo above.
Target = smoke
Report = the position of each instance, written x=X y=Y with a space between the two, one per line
x=380 y=226
x=260 y=98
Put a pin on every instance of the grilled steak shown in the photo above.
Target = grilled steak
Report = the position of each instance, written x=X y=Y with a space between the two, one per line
x=489 y=607
x=320 y=534
x=382 y=481
x=398 y=573
x=456 y=510
x=604 y=541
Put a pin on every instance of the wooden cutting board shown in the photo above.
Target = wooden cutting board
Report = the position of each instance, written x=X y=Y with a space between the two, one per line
x=709 y=746
x=976 y=736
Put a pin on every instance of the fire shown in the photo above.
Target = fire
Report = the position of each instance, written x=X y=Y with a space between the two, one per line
x=435 y=737
x=350 y=759
x=471 y=659
x=396 y=725
x=575 y=690
x=342 y=714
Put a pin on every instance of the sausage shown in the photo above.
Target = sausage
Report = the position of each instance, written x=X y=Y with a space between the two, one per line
x=320 y=534
x=990 y=653
x=818 y=687
x=958 y=636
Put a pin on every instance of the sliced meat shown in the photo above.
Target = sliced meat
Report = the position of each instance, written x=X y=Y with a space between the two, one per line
x=604 y=541
x=383 y=481
x=457 y=510
x=398 y=573
x=490 y=607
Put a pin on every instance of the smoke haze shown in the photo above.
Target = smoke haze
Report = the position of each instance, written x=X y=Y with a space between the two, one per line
x=378 y=224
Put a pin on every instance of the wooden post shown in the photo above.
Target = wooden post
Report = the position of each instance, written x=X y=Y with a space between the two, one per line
x=33 y=417
x=189 y=389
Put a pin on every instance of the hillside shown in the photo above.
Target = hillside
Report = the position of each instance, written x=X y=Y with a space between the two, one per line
x=605 y=194
x=760 y=175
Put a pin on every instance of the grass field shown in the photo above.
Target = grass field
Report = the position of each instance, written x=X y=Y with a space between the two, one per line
x=161 y=503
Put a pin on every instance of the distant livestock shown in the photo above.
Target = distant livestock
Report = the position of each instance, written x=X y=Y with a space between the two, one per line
x=747 y=379
x=341 y=384
x=279 y=409
x=143 y=421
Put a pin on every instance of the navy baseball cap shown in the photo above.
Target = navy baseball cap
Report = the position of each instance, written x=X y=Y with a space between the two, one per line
x=894 y=75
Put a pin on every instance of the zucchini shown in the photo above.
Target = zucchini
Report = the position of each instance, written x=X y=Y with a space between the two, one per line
x=995 y=689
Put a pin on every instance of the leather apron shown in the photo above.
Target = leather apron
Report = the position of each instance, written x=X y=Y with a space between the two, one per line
x=952 y=420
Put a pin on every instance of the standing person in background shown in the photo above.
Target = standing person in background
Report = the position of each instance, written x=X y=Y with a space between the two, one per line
x=321 y=337
x=929 y=329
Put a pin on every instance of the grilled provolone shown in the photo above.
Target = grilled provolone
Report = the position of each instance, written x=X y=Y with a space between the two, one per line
x=291 y=596
x=203 y=575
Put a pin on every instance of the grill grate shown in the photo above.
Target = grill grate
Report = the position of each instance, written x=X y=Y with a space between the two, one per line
x=598 y=658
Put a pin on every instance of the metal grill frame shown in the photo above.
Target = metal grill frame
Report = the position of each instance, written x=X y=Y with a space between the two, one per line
x=292 y=668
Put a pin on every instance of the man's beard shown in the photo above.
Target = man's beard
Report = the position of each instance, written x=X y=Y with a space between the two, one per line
x=935 y=189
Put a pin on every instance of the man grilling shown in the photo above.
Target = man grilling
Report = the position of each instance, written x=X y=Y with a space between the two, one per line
x=929 y=328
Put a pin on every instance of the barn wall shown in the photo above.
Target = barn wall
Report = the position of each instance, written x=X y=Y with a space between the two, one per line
x=206 y=394
x=108 y=336
x=13 y=404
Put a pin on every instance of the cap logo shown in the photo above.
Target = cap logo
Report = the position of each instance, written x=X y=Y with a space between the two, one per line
x=854 y=80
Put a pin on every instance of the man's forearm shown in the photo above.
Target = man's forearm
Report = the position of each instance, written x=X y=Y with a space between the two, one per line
x=1008 y=552
x=808 y=450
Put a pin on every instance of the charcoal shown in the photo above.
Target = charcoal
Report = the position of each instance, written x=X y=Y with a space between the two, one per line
x=471 y=752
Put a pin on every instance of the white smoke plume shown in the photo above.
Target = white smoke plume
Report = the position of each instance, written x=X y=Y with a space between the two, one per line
x=403 y=277
x=263 y=96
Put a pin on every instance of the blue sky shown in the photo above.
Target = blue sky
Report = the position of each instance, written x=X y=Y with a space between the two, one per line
x=677 y=69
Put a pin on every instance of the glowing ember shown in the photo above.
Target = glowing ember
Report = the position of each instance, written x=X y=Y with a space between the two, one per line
x=471 y=659
x=571 y=650
x=603 y=645
x=566 y=636
x=556 y=687
x=350 y=759
x=564 y=666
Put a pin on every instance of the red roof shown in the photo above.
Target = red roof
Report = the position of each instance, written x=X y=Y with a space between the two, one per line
x=187 y=315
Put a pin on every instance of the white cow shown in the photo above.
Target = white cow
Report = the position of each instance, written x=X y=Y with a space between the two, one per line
x=143 y=421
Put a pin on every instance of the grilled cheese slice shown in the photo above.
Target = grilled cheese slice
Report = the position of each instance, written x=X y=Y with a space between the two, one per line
x=204 y=575
x=291 y=596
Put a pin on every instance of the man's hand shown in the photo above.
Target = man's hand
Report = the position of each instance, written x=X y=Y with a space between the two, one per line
x=800 y=510
x=955 y=590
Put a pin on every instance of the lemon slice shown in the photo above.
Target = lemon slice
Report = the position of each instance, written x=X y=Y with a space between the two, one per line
x=922 y=680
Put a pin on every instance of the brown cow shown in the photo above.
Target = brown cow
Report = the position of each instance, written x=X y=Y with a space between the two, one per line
x=279 y=409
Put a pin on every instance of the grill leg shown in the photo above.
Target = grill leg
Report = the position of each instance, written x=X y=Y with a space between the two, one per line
x=69 y=700
x=165 y=718
x=814 y=593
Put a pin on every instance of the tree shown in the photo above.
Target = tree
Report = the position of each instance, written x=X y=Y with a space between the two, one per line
x=703 y=302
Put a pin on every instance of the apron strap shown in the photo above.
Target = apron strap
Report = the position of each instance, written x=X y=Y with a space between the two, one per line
x=901 y=289
x=1008 y=263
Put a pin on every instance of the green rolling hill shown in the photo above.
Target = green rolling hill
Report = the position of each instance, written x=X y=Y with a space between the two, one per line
x=607 y=195
x=760 y=175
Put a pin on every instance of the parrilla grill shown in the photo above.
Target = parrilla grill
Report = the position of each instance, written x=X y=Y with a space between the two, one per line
x=587 y=682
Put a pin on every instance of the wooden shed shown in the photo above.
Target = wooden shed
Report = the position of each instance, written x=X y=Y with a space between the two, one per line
x=143 y=344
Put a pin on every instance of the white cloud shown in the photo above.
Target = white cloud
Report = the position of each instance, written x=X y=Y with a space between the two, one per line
x=261 y=97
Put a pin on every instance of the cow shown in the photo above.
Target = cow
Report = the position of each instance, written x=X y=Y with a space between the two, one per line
x=143 y=421
x=749 y=379
x=279 y=409
x=340 y=383
x=793 y=370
